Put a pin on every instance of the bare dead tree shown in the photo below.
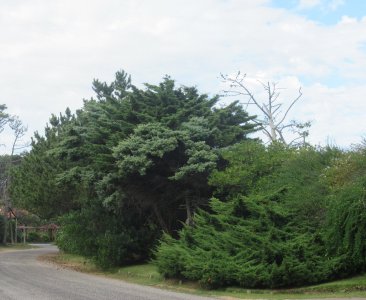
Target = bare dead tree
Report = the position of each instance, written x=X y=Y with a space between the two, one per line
x=19 y=130
x=4 y=118
x=272 y=114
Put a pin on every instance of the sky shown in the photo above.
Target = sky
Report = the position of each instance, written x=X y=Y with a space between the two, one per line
x=50 y=52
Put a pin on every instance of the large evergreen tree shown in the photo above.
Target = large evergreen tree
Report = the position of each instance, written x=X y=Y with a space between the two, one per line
x=129 y=164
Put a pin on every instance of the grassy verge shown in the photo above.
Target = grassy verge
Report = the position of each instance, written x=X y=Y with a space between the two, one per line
x=19 y=246
x=147 y=274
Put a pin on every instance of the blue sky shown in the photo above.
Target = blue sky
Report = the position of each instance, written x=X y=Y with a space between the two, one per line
x=325 y=12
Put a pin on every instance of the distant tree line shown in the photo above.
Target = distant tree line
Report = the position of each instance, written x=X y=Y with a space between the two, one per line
x=7 y=162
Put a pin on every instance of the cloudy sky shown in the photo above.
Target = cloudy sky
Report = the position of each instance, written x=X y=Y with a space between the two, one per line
x=50 y=51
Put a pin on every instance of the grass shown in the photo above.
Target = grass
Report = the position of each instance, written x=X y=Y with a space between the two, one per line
x=147 y=274
x=18 y=246
x=354 y=284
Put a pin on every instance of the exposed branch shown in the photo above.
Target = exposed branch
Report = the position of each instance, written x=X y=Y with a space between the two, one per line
x=270 y=109
x=240 y=84
x=291 y=105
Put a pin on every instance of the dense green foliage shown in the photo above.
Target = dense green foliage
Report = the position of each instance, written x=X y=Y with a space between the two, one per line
x=38 y=237
x=346 y=233
x=127 y=166
x=134 y=163
x=279 y=223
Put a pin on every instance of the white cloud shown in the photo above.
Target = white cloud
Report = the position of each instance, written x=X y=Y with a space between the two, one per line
x=335 y=4
x=304 y=4
x=323 y=4
x=338 y=113
x=347 y=20
x=51 y=50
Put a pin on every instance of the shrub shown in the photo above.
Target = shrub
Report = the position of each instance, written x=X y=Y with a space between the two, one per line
x=268 y=229
x=107 y=238
x=38 y=237
x=260 y=249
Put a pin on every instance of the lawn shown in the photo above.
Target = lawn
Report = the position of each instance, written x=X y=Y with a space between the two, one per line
x=147 y=274
x=15 y=247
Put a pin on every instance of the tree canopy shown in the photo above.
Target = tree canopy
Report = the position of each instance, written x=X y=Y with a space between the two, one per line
x=131 y=160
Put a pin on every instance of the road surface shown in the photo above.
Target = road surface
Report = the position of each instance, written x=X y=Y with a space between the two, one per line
x=22 y=277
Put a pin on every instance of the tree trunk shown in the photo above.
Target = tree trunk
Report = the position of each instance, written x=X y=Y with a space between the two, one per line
x=16 y=231
x=160 y=219
x=5 y=227
x=6 y=210
x=272 y=127
x=11 y=232
x=189 y=220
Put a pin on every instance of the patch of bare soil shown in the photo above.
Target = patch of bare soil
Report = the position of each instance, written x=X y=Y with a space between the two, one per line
x=54 y=259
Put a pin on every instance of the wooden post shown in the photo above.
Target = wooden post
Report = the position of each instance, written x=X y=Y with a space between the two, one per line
x=16 y=230
x=24 y=234
x=11 y=231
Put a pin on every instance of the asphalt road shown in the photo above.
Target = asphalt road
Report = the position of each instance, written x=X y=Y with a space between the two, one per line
x=22 y=277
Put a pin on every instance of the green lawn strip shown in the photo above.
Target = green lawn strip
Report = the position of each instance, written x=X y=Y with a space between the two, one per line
x=10 y=247
x=354 y=284
x=147 y=274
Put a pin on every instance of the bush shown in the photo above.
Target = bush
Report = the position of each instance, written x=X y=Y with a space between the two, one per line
x=258 y=249
x=38 y=237
x=346 y=226
x=109 y=239
x=75 y=235
x=268 y=232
